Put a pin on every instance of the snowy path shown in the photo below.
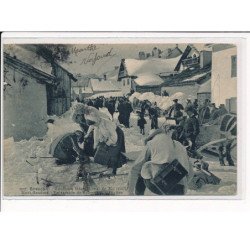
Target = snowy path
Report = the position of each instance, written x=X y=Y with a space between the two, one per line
x=20 y=176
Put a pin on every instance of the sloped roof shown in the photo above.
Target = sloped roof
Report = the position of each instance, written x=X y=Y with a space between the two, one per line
x=27 y=53
x=82 y=90
x=112 y=74
x=171 y=53
x=103 y=86
x=148 y=80
x=135 y=67
x=195 y=77
x=26 y=68
x=205 y=87
x=28 y=57
x=186 y=52
x=81 y=82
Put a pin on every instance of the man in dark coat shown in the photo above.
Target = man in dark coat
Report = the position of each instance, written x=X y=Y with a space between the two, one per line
x=195 y=104
x=204 y=112
x=191 y=127
x=127 y=111
x=153 y=115
x=120 y=108
x=176 y=108
x=143 y=106
x=111 y=107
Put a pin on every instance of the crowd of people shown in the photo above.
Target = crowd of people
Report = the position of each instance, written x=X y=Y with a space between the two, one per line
x=188 y=118
x=101 y=138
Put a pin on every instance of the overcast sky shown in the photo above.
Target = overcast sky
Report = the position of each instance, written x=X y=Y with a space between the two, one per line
x=99 y=58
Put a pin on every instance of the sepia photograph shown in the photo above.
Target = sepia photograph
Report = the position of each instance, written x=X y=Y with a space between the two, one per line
x=119 y=119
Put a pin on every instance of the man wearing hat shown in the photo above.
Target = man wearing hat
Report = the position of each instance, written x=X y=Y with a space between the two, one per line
x=191 y=127
x=176 y=107
x=189 y=104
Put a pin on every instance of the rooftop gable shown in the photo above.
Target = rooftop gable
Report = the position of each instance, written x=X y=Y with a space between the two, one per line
x=136 y=67
x=28 y=69
x=102 y=85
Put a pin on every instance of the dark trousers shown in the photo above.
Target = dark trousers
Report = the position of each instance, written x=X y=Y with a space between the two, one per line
x=193 y=140
x=229 y=159
x=154 y=123
x=221 y=158
x=127 y=118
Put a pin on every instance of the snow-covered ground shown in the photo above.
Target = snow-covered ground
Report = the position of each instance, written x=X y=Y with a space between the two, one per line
x=24 y=174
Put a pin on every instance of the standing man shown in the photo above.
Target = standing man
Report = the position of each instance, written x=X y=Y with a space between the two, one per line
x=111 y=107
x=176 y=108
x=195 y=104
x=189 y=104
x=191 y=127
x=127 y=111
x=120 y=109
x=204 y=112
x=153 y=115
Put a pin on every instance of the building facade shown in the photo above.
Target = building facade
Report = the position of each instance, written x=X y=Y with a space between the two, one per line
x=25 y=99
x=224 y=73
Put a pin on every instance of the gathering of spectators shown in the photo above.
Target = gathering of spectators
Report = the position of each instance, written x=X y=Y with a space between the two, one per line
x=188 y=117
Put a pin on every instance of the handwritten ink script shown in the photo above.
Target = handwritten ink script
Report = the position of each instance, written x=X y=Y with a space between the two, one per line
x=92 y=54
x=90 y=47
x=93 y=57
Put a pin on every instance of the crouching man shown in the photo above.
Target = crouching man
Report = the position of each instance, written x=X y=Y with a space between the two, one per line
x=158 y=154
x=66 y=150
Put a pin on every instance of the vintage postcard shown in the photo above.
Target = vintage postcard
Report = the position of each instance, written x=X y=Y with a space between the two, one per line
x=119 y=117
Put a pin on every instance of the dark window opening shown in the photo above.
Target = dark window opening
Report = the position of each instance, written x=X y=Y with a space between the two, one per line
x=233 y=66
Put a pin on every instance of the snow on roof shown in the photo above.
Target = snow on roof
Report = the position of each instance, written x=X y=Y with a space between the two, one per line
x=205 y=87
x=148 y=80
x=171 y=52
x=29 y=57
x=195 y=77
x=152 y=65
x=103 y=86
x=107 y=94
x=82 y=90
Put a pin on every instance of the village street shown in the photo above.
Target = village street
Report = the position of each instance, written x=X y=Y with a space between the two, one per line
x=26 y=170
x=42 y=84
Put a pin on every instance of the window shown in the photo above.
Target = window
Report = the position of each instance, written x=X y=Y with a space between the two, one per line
x=233 y=66
x=124 y=82
x=128 y=81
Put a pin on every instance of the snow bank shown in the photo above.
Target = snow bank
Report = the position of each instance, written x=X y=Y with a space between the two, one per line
x=19 y=174
x=163 y=102
x=148 y=80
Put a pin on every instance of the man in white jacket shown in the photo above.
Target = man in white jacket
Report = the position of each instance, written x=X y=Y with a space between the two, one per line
x=159 y=151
